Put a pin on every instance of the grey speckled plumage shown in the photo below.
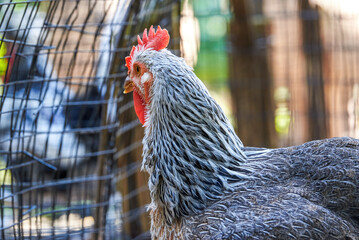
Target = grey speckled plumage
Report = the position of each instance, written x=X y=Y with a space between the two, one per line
x=304 y=192
x=205 y=184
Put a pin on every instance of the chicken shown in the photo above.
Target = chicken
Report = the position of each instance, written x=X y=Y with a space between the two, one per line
x=204 y=184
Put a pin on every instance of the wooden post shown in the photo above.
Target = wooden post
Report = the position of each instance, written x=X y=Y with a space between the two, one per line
x=250 y=79
x=312 y=49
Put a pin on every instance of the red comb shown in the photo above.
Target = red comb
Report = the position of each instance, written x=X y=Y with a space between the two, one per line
x=155 y=40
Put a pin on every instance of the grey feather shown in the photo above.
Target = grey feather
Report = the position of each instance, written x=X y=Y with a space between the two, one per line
x=205 y=184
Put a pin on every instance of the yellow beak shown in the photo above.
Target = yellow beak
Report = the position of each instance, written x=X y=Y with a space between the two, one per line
x=128 y=86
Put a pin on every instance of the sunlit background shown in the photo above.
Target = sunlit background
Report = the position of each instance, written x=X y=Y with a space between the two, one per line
x=305 y=51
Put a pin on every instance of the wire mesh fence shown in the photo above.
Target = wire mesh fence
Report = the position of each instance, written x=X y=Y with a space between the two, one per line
x=62 y=70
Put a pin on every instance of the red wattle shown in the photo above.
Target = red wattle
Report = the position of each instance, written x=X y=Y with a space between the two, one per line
x=140 y=106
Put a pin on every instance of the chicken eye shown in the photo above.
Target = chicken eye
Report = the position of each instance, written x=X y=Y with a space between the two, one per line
x=137 y=69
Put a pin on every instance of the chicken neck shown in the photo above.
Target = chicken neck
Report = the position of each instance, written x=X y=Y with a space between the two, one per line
x=190 y=149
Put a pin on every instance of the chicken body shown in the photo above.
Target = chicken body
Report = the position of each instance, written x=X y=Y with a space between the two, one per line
x=304 y=192
x=205 y=184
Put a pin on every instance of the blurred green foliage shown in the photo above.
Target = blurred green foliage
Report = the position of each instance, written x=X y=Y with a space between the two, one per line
x=5 y=175
x=212 y=64
x=3 y=65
